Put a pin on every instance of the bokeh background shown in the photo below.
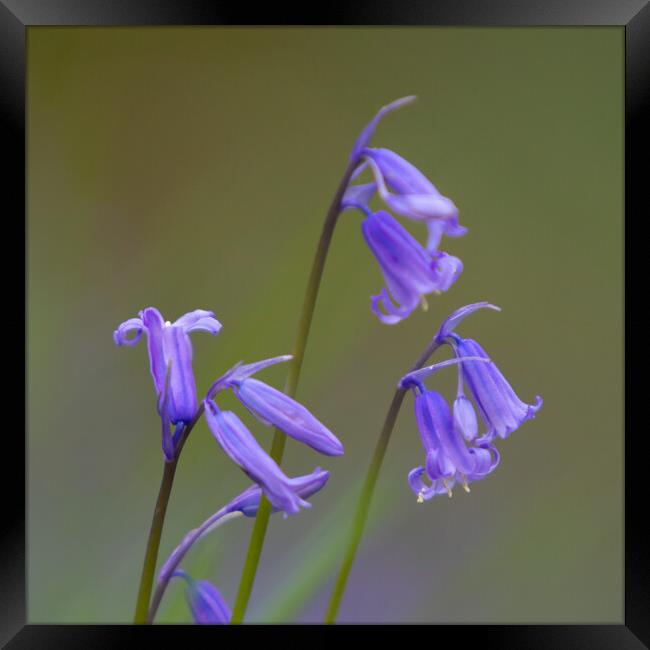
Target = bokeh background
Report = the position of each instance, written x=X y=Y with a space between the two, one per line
x=192 y=167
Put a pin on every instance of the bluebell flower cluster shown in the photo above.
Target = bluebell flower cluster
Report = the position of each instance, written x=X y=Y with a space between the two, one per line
x=454 y=450
x=411 y=271
x=170 y=360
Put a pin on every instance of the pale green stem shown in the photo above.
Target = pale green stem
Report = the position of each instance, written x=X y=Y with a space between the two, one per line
x=181 y=551
x=279 y=438
x=363 y=505
x=155 y=532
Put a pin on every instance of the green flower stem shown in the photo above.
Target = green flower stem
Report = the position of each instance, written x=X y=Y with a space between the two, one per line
x=279 y=438
x=155 y=532
x=363 y=505
x=180 y=554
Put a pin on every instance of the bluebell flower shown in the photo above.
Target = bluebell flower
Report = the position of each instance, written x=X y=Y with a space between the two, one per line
x=501 y=410
x=448 y=459
x=273 y=408
x=170 y=361
x=414 y=196
x=409 y=271
x=246 y=504
x=207 y=605
x=240 y=445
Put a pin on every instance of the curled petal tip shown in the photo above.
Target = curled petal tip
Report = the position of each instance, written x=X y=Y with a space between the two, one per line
x=532 y=410
x=402 y=101
x=457 y=317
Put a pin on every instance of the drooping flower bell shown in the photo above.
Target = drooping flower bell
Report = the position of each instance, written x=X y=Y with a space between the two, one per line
x=240 y=445
x=170 y=362
x=414 y=196
x=447 y=458
x=410 y=270
x=274 y=408
x=207 y=605
x=499 y=406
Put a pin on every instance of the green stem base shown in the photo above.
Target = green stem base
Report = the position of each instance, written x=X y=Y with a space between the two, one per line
x=363 y=505
x=153 y=543
x=279 y=439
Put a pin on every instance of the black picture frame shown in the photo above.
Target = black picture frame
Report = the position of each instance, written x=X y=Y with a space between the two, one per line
x=16 y=16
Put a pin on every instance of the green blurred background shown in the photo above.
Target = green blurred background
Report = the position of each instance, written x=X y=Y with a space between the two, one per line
x=191 y=168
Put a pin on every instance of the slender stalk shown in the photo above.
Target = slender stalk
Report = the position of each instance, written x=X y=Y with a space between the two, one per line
x=279 y=438
x=363 y=505
x=153 y=543
x=157 y=522
x=212 y=523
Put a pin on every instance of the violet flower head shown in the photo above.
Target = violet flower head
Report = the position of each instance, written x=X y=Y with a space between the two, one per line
x=273 y=408
x=170 y=362
x=499 y=406
x=414 y=196
x=448 y=459
x=409 y=271
x=207 y=605
x=401 y=185
x=238 y=443
x=169 y=342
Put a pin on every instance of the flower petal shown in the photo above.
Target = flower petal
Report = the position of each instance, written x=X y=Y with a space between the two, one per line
x=177 y=348
x=274 y=407
x=153 y=321
x=199 y=319
x=120 y=335
x=399 y=174
x=244 y=371
x=358 y=196
x=163 y=409
x=446 y=269
x=453 y=454
x=415 y=196
x=366 y=135
x=500 y=407
x=207 y=605
x=415 y=377
x=465 y=418
x=390 y=314
x=405 y=265
x=305 y=486
x=238 y=442
x=486 y=459
x=452 y=321
x=438 y=228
